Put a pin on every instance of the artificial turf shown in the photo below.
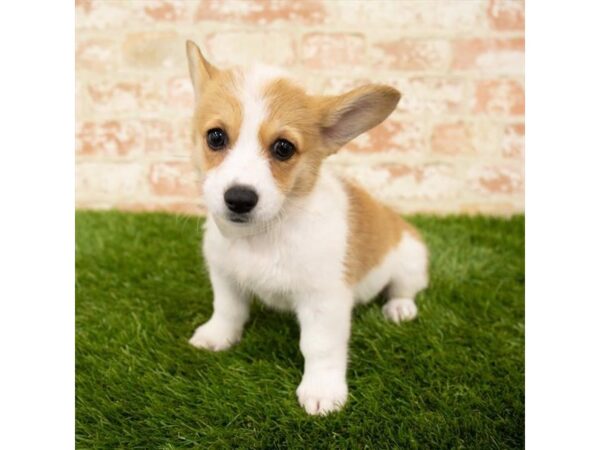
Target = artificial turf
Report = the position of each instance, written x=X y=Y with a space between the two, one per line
x=453 y=378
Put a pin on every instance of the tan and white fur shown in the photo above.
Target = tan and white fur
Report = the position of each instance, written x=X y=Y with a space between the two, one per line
x=313 y=244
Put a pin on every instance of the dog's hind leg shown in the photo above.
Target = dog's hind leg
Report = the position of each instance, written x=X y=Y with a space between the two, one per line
x=409 y=277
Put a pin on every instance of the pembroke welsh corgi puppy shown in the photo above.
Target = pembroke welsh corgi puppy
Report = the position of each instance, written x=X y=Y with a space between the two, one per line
x=282 y=227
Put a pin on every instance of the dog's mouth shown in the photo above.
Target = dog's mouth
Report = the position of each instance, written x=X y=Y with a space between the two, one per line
x=239 y=226
x=239 y=218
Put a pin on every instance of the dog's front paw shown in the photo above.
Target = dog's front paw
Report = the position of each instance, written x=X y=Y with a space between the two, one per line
x=400 y=309
x=321 y=395
x=215 y=336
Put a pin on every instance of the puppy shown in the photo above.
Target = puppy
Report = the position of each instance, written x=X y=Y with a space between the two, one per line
x=282 y=227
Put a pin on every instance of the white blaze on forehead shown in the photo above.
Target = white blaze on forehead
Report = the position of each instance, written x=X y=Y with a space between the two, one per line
x=252 y=84
x=246 y=163
x=254 y=110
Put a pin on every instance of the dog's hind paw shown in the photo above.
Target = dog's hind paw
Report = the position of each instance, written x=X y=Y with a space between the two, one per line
x=400 y=309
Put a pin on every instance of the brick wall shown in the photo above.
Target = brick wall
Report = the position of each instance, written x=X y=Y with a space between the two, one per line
x=454 y=144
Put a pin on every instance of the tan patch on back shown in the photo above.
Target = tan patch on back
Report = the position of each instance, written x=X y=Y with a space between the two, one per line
x=374 y=229
x=219 y=107
x=292 y=115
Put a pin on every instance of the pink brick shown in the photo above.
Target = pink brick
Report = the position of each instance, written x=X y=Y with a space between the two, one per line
x=184 y=133
x=159 y=136
x=109 y=138
x=396 y=183
x=452 y=138
x=330 y=50
x=125 y=96
x=496 y=179
x=174 y=179
x=513 y=141
x=102 y=14
x=506 y=14
x=412 y=54
x=505 y=97
x=98 y=54
x=431 y=95
x=83 y=5
x=128 y=137
x=123 y=15
x=461 y=137
x=449 y=15
x=391 y=135
x=261 y=12
x=155 y=50
x=490 y=55
x=108 y=180
x=180 y=93
x=79 y=99
x=427 y=181
x=228 y=48
x=163 y=10
x=406 y=16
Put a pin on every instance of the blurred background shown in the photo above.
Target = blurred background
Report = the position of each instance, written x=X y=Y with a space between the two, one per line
x=455 y=143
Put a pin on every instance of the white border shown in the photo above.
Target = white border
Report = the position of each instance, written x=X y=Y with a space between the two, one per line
x=37 y=225
x=563 y=225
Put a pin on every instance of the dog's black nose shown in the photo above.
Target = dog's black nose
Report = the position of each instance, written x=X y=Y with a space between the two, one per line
x=240 y=199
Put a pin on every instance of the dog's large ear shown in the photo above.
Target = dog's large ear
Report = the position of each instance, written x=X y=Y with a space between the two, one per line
x=200 y=69
x=345 y=116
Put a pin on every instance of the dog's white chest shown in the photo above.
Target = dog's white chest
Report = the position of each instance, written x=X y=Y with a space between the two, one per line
x=272 y=268
x=268 y=271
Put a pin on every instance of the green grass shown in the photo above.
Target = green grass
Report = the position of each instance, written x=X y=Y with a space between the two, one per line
x=453 y=378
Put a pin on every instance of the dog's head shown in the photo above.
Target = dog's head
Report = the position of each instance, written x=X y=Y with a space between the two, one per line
x=260 y=139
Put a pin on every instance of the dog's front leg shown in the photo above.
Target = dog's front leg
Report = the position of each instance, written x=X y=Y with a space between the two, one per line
x=324 y=333
x=230 y=312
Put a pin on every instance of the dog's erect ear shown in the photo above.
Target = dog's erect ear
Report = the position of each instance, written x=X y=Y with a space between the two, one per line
x=200 y=69
x=346 y=116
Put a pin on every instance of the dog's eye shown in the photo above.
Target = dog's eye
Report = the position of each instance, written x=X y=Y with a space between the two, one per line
x=216 y=138
x=283 y=149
